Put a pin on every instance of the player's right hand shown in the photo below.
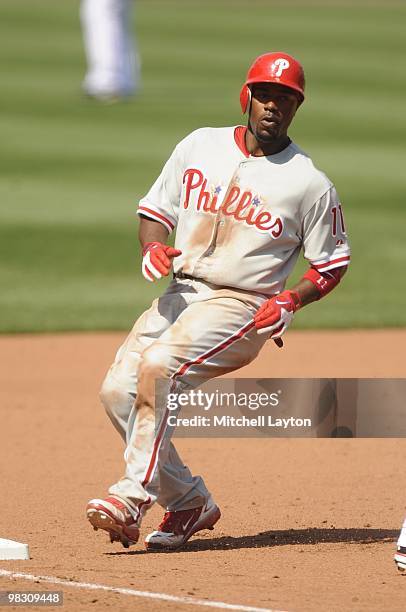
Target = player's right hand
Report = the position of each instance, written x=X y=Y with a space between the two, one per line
x=157 y=260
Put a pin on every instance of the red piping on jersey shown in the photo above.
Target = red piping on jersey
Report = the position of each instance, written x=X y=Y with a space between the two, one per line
x=157 y=215
x=239 y=137
x=330 y=263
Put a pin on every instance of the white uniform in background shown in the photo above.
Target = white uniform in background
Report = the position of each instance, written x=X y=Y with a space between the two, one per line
x=112 y=61
x=400 y=556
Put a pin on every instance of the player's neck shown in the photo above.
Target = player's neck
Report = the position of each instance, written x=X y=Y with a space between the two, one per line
x=261 y=149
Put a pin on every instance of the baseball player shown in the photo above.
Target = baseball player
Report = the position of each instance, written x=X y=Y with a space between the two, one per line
x=112 y=60
x=245 y=201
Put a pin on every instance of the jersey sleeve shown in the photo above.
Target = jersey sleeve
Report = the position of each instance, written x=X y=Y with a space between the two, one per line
x=325 y=242
x=162 y=201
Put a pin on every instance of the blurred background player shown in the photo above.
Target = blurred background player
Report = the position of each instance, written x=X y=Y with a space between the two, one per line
x=112 y=60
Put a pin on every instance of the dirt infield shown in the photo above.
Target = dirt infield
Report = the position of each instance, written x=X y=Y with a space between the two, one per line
x=307 y=524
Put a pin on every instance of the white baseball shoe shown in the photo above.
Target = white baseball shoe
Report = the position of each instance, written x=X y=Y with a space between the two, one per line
x=114 y=516
x=178 y=526
x=400 y=558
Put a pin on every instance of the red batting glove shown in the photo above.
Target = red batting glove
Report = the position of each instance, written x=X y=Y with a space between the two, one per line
x=157 y=260
x=275 y=315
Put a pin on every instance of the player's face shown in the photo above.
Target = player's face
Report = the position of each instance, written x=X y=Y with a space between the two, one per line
x=273 y=107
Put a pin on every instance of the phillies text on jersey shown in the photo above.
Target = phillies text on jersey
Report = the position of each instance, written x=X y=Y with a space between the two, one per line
x=240 y=220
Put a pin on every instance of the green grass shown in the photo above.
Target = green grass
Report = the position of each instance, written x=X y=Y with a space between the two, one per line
x=72 y=172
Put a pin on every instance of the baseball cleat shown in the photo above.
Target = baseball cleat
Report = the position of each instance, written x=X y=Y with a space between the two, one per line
x=178 y=526
x=114 y=516
x=400 y=558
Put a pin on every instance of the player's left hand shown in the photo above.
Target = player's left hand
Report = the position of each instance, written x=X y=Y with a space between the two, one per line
x=275 y=315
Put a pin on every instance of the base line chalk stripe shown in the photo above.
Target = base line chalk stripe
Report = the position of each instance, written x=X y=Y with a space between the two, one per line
x=132 y=592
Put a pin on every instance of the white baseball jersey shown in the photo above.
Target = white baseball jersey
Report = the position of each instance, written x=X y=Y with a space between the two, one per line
x=242 y=220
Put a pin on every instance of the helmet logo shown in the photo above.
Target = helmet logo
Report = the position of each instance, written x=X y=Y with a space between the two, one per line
x=279 y=66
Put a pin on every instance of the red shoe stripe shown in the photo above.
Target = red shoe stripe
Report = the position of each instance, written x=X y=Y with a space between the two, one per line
x=100 y=508
x=116 y=502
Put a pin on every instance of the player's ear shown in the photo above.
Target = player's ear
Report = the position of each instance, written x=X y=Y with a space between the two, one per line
x=249 y=104
x=298 y=103
x=249 y=101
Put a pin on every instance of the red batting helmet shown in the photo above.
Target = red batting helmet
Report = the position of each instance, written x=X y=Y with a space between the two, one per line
x=273 y=68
